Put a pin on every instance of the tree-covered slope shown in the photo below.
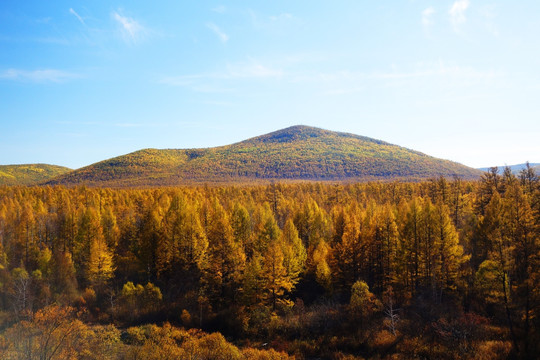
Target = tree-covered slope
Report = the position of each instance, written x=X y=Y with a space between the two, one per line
x=29 y=174
x=295 y=153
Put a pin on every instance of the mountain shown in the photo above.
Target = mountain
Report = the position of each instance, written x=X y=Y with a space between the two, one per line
x=29 y=174
x=516 y=168
x=295 y=153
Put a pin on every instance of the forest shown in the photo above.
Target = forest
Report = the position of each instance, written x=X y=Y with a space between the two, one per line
x=439 y=269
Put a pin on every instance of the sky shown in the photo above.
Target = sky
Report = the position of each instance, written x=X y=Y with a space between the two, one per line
x=84 y=81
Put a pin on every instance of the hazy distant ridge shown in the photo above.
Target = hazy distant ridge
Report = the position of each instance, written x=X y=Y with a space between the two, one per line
x=295 y=153
x=515 y=168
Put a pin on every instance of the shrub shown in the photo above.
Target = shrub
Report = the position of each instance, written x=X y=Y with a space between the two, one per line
x=493 y=350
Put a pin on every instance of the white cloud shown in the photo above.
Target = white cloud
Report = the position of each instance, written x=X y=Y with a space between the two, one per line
x=203 y=83
x=252 y=70
x=128 y=125
x=130 y=29
x=348 y=82
x=439 y=69
x=282 y=16
x=44 y=20
x=489 y=14
x=42 y=40
x=427 y=14
x=457 y=13
x=273 y=22
x=74 y=13
x=345 y=90
x=219 y=9
x=225 y=81
x=221 y=35
x=218 y=103
x=38 y=76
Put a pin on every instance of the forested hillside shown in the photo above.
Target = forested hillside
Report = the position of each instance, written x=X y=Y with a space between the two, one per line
x=438 y=269
x=295 y=153
x=29 y=174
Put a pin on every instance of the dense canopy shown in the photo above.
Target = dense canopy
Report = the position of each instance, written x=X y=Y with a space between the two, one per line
x=436 y=269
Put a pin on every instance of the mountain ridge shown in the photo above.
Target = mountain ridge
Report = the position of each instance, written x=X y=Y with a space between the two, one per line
x=29 y=174
x=516 y=168
x=295 y=153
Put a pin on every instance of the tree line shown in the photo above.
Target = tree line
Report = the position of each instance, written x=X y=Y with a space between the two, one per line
x=459 y=257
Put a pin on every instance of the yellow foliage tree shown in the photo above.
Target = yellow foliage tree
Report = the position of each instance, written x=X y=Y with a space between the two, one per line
x=100 y=264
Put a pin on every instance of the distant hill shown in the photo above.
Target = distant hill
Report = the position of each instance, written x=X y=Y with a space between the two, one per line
x=29 y=174
x=295 y=153
x=516 y=168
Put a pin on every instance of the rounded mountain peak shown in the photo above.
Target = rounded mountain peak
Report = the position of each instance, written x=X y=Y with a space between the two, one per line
x=293 y=133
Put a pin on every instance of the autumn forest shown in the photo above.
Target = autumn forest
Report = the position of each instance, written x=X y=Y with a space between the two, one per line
x=440 y=269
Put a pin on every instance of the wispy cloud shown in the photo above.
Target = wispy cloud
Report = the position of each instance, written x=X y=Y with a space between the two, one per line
x=204 y=83
x=457 y=13
x=438 y=69
x=219 y=9
x=106 y=124
x=218 y=103
x=347 y=82
x=427 y=17
x=282 y=16
x=38 y=76
x=128 y=125
x=225 y=81
x=74 y=13
x=344 y=90
x=71 y=122
x=489 y=13
x=272 y=22
x=132 y=31
x=220 y=34
x=252 y=70
x=234 y=76
x=42 y=40
x=44 y=20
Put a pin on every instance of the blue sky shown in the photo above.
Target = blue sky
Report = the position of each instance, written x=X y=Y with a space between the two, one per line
x=83 y=81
